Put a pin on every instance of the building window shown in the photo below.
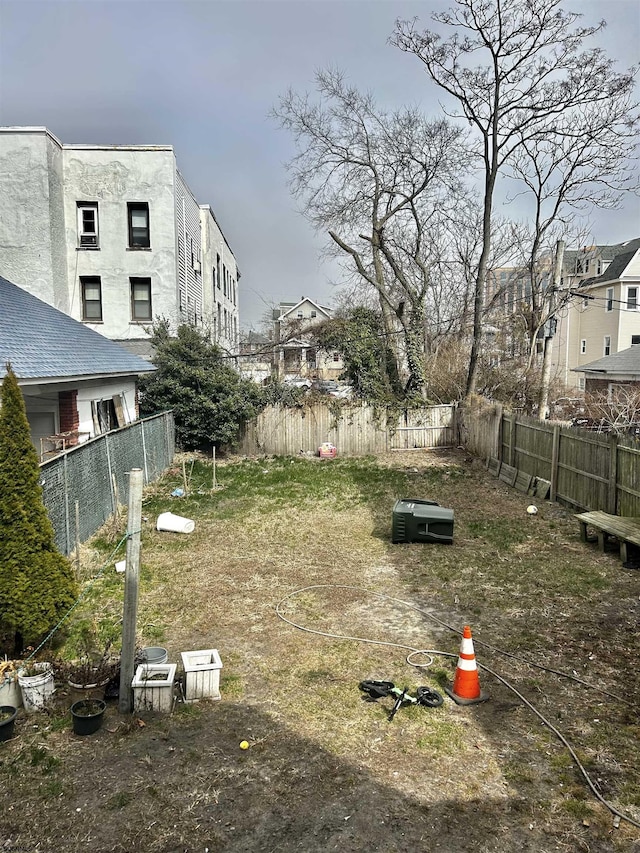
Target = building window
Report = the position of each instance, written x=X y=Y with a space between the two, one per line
x=632 y=298
x=606 y=350
x=635 y=339
x=609 y=302
x=140 y=299
x=88 y=224
x=583 y=347
x=581 y=383
x=91 y=292
x=218 y=271
x=138 y=213
x=314 y=313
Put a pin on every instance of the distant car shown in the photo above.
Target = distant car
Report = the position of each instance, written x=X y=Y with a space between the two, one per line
x=331 y=388
x=324 y=386
x=298 y=383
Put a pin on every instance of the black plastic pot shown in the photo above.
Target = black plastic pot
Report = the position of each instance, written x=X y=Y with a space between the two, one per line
x=87 y=715
x=8 y=716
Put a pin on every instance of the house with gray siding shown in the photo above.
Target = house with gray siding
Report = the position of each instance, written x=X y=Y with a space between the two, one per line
x=112 y=236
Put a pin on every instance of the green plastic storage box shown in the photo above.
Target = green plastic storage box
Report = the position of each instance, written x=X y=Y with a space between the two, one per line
x=421 y=521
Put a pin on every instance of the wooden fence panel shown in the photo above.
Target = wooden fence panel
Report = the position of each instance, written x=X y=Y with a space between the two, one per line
x=508 y=435
x=480 y=430
x=586 y=470
x=583 y=470
x=533 y=447
x=356 y=430
x=628 y=477
x=423 y=428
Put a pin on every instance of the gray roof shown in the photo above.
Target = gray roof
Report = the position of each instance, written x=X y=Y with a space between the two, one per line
x=43 y=343
x=627 y=361
x=621 y=255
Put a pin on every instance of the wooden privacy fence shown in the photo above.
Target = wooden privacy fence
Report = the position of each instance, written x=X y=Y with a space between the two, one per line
x=354 y=429
x=586 y=470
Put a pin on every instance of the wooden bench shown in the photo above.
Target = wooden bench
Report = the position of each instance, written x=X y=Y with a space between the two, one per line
x=626 y=530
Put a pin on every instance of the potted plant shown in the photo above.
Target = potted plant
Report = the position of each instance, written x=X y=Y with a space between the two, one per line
x=8 y=716
x=89 y=674
x=89 y=663
x=87 y=715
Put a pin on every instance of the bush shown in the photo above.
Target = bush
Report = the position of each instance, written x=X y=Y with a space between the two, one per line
x=210 y=400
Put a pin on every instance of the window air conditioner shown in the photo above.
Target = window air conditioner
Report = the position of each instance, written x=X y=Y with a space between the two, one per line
x=88 y=240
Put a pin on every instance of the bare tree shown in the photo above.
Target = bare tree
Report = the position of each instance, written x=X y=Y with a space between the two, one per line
x=617 y=411
x=376 y=183
x=523 y=82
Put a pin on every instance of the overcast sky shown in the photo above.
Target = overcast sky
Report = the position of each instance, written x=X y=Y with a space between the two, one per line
x=202 y=75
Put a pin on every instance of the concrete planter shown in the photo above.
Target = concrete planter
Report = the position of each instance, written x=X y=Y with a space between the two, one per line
x=153 y=687
x=202 y=674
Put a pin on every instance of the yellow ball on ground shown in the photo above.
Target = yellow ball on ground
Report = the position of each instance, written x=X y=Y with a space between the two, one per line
x=244 y=744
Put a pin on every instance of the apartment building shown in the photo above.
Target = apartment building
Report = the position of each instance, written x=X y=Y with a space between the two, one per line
x=598 y=306
x=603 y=316
x=112 y=236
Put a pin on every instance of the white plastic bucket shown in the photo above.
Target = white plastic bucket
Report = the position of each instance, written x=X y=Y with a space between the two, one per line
x=175 y=523
x=36 y=689
x=10 y=693
x=154 y=655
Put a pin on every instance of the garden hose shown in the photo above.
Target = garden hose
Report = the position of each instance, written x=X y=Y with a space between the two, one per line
x=429 y=653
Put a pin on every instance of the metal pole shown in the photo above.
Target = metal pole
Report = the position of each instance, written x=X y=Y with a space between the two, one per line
x=131 y=582
x=77 y=539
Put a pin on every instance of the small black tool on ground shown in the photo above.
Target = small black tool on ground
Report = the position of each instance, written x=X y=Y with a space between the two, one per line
x=375 y=690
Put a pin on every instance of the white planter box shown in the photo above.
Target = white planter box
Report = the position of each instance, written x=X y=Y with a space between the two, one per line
x=153 y=687
x=201 y=674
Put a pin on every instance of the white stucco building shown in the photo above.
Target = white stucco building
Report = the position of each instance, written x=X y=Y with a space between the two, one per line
x=112 y=236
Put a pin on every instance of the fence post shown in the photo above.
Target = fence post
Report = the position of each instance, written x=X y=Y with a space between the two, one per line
x=613 y=474
x=499 y=432
x=130 y=610
x=144 y=453
x=555 y=455
x=66 y=506
x=512 y=440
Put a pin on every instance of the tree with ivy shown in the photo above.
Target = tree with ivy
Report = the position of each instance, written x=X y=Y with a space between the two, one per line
x=210 y=400
x=368 y=365
x=37 y=586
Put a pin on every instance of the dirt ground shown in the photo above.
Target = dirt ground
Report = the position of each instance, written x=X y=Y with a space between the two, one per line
x=324 y=770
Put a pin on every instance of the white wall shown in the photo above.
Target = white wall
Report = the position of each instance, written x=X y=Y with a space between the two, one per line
x=218 y=305
x=31 y=213
x=113 y=177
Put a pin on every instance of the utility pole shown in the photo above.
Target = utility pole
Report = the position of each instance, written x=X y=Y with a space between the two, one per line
x=131 y=583
x=543 y=402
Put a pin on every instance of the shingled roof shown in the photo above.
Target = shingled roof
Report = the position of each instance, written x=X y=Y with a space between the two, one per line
x=626 y=362
x=621 y=254
x=43 y=343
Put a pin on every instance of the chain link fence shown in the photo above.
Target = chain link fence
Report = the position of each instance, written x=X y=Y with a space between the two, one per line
x=83 y=487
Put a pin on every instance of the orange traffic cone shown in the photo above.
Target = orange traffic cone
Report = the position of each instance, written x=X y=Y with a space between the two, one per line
x=466 y=684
